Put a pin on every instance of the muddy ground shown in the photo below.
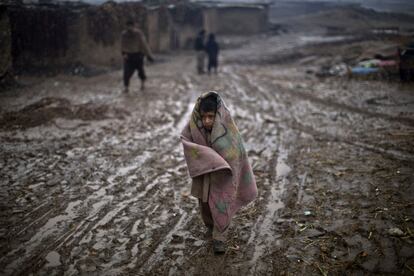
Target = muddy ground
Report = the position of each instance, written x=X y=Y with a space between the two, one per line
x=93 y=181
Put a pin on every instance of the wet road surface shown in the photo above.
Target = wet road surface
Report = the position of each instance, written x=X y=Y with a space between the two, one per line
x=94 y=182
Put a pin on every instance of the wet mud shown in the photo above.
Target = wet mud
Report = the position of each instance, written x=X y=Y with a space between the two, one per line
x=94 y=182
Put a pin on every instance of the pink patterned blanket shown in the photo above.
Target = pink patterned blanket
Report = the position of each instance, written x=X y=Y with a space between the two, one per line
x=232 y=183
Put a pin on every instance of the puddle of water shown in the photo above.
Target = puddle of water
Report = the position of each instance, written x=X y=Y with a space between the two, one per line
x=310 y=39
x=235 y=83
x=134 y=230
x=53 y=259
x=282 y=169
x=301 y=189
x=134 y=250
x=37 y=185
x=48 y=229
x=164 y=216
x=130 y=179
x=123 y=171
x=52 y=223
x=185 y=118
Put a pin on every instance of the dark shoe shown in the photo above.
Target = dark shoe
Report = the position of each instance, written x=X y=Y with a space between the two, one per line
x=219 y=247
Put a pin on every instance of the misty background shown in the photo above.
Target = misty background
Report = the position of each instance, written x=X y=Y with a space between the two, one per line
x=404 y=6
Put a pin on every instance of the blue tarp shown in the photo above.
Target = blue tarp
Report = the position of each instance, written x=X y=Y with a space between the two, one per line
x=363 y=70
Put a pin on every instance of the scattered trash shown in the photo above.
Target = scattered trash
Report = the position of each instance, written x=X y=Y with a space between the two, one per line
x=387 y=63
x=396 y=232
x=371 y=63
x=53 y=259
x=198 y=243
x=307 y=213
x=235 y=247
x=363 y=70
x=339 y=70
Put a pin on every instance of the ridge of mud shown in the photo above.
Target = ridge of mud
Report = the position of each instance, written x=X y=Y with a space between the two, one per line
x=48 y=109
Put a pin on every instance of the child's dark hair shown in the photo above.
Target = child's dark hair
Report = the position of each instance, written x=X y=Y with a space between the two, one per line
x=208 y=104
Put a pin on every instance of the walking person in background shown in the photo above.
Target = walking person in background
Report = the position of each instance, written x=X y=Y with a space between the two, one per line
x=199 y=48
x=134 y=49
x=212 y=49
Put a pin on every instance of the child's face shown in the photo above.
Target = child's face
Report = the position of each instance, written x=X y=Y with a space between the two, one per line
x=208 y=119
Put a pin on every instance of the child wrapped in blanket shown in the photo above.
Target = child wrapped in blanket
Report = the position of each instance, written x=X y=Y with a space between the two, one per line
x=217 y=162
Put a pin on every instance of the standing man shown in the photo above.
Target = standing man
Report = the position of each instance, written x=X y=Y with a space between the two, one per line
x=199 y=48
x=212 y=50
x=134 y=49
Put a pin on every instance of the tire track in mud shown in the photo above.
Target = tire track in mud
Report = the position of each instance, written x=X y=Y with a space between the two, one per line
x=90 y=224
x=52 y=224
x=146 y=263
x=281 y=111
x=143 y=256
x=246 y=109
x=232 y=97
x=167 y=233
x=97 y=219
x=277 y=117
x=274 y=151
x=133 y=217
x=265 y=235
x=341 y=106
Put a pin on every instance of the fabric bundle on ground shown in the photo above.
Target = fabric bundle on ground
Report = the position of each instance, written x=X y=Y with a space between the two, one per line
x=232 y=183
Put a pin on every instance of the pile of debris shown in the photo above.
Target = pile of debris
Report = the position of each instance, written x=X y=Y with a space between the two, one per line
x=390 y=62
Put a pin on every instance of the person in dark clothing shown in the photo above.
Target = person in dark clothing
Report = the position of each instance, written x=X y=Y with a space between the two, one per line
x=199 y=48
x=134 y=49
x=212 y=49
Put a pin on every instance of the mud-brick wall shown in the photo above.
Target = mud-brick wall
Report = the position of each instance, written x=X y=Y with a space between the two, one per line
x=98 y=30
x=56 y=36
x=210 y=19
x=187 y=20
x=159 y=29
x=5 y=43
x=41 y=37
x=53 y=36
x=242 y=20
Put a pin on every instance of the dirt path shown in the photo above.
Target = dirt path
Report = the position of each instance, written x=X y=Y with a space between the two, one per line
x=94 y=182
